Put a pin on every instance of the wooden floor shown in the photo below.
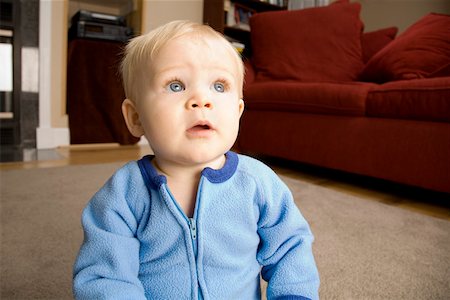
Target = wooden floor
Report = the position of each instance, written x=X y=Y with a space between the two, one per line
x=369 y=189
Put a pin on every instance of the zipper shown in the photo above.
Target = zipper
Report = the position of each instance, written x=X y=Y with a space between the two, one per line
x=193 y=229
x=192 y=224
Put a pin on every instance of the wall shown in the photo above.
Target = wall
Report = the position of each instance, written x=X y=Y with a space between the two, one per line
x=377 y=14
x=158 y=12
x=75 y=6
x=53 y=122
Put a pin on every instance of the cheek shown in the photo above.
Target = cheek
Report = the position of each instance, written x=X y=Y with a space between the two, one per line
x=149 y=117
x=230 y=112
x=230 y=120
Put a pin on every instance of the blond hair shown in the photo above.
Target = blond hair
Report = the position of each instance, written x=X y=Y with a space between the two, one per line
x=140 y=51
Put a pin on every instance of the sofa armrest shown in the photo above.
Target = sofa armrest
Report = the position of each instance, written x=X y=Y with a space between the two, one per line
x=249 y=72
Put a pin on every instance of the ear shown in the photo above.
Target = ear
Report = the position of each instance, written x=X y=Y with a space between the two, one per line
x=131 y=117
x=241 y=107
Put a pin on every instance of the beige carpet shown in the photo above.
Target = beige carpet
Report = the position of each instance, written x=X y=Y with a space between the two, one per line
x=364 y=250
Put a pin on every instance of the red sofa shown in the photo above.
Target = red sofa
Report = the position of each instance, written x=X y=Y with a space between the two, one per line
x=320 y=91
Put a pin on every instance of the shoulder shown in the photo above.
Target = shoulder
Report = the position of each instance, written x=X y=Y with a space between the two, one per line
x=130 y=169
x=124 y=189
x=266 y=180
x=255 y=168
x=126 y=177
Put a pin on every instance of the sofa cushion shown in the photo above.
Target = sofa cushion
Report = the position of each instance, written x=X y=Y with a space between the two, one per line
x=423 y=50
x=298 y=44
x=418 y=99
x=374 y=41
x=308 y=97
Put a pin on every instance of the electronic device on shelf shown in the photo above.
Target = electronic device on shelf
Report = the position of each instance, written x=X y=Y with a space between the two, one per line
x=87 y=24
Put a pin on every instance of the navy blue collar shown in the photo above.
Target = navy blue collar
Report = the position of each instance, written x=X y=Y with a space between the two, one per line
x=154 y=180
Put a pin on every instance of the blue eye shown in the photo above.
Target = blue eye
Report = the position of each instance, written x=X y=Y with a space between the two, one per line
x=219 y=87
x=176 y=87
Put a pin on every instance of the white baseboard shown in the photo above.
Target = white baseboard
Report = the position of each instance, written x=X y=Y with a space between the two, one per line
x=143 y=141
x=49 y=138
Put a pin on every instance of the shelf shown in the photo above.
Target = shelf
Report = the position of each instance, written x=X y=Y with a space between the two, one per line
x=259 y=6
x=221 y=15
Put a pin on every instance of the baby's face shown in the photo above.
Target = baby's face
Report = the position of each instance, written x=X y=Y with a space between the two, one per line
x=191 y=107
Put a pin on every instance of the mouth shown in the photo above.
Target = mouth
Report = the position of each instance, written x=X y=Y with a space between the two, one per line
x=201 y=129
x=202 y=125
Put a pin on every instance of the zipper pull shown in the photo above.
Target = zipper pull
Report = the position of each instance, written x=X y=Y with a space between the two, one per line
x=193 y=228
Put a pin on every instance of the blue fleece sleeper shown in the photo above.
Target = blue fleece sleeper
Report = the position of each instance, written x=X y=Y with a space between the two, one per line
x=138 y=243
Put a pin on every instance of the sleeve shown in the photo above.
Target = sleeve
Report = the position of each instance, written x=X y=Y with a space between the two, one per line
x=107 y=265
x=285 y=250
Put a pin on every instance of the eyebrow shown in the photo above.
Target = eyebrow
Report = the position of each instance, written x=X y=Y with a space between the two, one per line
x=168 y=69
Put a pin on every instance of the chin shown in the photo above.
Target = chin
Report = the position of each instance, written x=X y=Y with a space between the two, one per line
x=206 y=156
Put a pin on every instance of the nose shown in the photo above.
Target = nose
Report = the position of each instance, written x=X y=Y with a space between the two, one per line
x=198 y=102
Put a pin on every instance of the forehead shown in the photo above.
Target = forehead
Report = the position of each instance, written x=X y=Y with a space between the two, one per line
x=197 y=50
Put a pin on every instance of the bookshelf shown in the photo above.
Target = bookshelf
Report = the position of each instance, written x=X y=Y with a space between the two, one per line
x=230 y=17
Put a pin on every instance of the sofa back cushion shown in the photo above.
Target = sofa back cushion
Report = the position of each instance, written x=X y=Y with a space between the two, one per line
x=325 y=98
x=314 y=44
x=374 y=41
x=416 y=99
x=422 y=51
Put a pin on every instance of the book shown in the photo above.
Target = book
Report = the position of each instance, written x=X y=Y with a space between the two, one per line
x=238 y=15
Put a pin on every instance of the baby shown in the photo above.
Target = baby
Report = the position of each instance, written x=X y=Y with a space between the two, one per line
x=195 y=220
